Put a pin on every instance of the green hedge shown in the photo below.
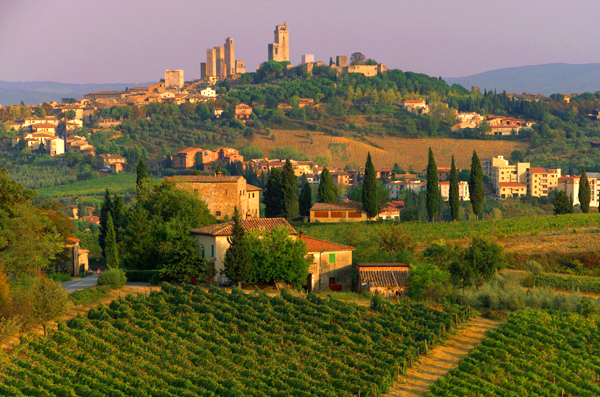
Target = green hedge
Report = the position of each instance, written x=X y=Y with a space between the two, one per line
x=145 y=276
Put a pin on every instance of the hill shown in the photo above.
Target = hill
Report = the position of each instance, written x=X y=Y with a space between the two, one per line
x=118 y=183
x=546 y=79
x=34 y=92
x=385 y=151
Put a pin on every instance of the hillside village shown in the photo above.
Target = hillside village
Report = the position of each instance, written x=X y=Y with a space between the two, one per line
x=266 y=270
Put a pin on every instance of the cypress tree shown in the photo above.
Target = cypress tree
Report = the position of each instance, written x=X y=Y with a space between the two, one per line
x=432 y=187
x=476 y=190
x=105 y=211
x=112 y=251
x=273 y=196
x=117 y=211
x=238 y=266
x=328 y=191
x=584 y=192
x=305 y=200
x=142 y=174
x=290 y=196
x=454 y=196
x=369 y=190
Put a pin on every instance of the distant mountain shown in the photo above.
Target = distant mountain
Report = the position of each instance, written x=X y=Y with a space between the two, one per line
x=547 y=79
x=34 y=92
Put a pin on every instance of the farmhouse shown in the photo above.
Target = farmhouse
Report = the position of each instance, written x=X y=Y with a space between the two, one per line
x=337 y=212
x=330 y=263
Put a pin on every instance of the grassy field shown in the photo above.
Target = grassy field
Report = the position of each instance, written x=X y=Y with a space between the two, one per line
x=385 y=151
x=117 y=183
x=189 y=342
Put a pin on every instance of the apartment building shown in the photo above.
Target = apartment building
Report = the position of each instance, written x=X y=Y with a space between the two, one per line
x=570 y=185
x=463 y=190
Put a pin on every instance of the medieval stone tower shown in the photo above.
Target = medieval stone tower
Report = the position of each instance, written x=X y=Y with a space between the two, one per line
x=229 y=57
x=280 y=50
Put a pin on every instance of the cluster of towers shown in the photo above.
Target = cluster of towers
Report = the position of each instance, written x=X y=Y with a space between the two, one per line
x=221 y=63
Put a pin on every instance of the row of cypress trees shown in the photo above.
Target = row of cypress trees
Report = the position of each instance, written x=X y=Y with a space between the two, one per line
x=476 y=190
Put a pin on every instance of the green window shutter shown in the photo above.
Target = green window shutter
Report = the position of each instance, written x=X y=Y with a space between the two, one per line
x=212 y=250
x=331 y=258
x=203 y=252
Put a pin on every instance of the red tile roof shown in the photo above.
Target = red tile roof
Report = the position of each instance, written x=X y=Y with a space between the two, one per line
x=316 y=245
x=188 y=150
x=252 y=188
x=351 y=206
x=226 y=229
x=537 y=170
x=204 y=178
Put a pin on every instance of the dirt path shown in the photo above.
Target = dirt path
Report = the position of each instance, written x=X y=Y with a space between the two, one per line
x=442 y=359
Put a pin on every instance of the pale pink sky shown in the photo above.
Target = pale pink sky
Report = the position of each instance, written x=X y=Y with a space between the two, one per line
x=121 y=41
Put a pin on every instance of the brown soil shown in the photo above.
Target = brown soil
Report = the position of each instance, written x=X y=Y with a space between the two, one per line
x=442 y=359
x=76 y=310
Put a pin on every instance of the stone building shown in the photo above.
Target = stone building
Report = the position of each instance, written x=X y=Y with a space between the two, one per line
x=222 y=194
x=211 y=62
x=221 y=63
x=174 y=78
x=240 y=67
x=279 y=50
x=386 y=279
x=308 y=58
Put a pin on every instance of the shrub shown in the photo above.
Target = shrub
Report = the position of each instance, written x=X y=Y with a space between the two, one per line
x=113 y=278
x=145 y=276
x=533 y=267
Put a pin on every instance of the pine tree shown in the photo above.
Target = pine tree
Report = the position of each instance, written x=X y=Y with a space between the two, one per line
x=290 y=195
x=305 y=200
x=273 y=195
x=328 y=191
x=238 y=266
x=476 y=190
x=454 y=196
x=584 y=192
x=142 y=174
x=369 y=190
x=104 y=212
x=432 y=187
x=112 y=251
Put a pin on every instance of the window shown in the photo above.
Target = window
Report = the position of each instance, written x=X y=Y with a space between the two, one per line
x=332 y=280
x=218 y=213
x=212 y=250
x=203 y=252
x=331 y=258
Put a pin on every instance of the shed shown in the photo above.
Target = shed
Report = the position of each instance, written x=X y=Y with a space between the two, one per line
x=383 y=278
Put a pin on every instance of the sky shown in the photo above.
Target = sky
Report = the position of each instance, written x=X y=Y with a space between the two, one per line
x=134 y=41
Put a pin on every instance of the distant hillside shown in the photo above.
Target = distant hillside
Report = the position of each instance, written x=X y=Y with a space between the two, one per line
x=547 y=79
x=385 y=151
x=34 y=92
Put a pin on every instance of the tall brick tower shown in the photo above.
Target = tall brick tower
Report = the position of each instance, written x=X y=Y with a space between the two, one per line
x=280 y=50
x=229 y=56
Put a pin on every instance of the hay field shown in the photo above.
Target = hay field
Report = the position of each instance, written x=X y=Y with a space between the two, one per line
x=385 y=151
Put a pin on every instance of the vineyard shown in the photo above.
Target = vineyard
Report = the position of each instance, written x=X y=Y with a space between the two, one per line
x=189 y=342
x=349 y=233
x=590 y=285
x=117 y=183
x=385 y=151
x=535 y=354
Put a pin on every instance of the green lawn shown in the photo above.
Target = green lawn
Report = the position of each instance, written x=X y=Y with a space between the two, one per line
x=117 y=183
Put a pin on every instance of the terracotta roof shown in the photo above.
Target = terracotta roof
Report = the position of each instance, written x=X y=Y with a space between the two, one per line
x=537 y=170
x=444 y=182
x=72 y=240
x=351 y=206
x=204 y=178
x=390 y=277
x=399 y=204
x=252 y=188
x=226 y=229
x=382 y=265
x=188 y=150
x=316 y=245
x=511 y=184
